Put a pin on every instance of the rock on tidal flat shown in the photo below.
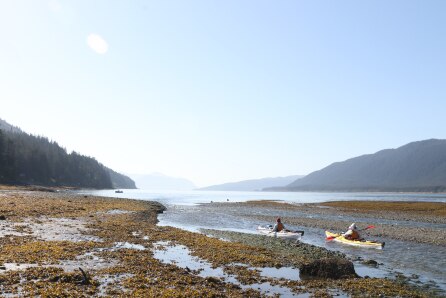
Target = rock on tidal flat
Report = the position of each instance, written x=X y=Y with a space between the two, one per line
x=333 y=268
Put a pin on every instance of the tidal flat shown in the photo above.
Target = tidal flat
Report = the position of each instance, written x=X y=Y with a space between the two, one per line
x=66 y=245
x=425 y=221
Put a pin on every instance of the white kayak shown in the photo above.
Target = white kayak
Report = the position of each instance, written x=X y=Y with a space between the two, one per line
x=284 y=234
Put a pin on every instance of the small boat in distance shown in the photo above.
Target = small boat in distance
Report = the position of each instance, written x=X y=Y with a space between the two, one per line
x=118 y=191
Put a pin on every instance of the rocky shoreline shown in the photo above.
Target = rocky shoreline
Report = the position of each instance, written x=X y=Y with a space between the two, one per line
x=62 y=245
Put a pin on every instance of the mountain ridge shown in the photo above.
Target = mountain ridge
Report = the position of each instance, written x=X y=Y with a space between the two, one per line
x=253 y=184
x=416 y=166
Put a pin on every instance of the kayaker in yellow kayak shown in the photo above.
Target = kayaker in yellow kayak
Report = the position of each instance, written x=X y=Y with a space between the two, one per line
x=278 y=226
x=352 y=233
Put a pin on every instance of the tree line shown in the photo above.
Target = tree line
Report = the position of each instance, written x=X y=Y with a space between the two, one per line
x=26 y=159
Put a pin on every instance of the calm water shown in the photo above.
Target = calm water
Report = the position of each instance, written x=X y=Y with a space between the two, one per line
x=196 y=197
x=184 y=211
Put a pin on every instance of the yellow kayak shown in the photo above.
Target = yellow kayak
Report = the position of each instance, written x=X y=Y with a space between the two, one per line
x=361 y=243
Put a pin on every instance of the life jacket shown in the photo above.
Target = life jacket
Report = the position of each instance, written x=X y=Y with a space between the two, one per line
x=280 y=226
x=354 y=235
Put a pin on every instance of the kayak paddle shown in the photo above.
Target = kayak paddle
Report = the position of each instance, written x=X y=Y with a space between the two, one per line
x=369 y=227
x=333 y=237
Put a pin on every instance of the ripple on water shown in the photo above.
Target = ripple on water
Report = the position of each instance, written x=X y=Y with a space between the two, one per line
x=364 y=270
x=283 y=272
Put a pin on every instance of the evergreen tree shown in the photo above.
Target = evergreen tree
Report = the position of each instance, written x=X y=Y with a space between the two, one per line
x=27 y=159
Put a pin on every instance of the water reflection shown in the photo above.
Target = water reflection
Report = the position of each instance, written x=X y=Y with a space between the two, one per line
x=180 y=256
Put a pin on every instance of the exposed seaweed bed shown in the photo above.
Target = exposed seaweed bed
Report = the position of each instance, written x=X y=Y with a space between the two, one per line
x=46 y=237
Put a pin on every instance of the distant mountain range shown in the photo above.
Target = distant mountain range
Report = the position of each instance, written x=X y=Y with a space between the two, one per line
x=415 y=167
x=31 y=160
x=158 y=181
x=254 y=184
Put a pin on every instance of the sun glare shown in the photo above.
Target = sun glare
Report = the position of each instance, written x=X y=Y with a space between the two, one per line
x=97 y=43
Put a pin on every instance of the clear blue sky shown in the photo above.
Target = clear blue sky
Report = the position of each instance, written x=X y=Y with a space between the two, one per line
x=219 y=91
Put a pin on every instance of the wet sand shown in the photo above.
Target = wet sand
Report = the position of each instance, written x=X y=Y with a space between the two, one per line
x=47 y=236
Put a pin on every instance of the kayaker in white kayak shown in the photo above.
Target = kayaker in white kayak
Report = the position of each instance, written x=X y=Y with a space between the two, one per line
x=352 y=233
x=278 y=226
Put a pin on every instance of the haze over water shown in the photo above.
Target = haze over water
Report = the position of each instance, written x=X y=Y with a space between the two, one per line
x=197 y=197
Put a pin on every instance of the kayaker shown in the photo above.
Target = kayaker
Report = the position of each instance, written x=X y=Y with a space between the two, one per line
x=352 y=233
x=278 y=226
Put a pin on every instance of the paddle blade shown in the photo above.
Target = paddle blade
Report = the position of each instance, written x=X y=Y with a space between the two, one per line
x=330 y=238
x=369 y=227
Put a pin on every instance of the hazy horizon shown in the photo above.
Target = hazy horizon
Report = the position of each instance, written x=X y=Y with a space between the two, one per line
x=131 y=175
x=217 y=92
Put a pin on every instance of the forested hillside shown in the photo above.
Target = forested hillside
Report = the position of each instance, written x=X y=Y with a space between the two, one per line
x=121 y=181
x=27 y=159
x=5 y=126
